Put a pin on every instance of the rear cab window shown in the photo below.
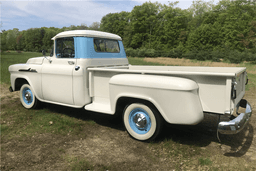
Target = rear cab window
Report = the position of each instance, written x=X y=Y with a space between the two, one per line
x=106 y=45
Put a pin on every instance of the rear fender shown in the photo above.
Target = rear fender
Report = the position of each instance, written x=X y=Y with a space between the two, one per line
x=175 y=98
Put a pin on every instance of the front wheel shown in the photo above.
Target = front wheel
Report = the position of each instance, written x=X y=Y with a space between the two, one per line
x=28 y=98
x=142 y=122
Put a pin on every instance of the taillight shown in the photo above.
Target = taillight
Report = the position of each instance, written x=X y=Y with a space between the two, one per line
x=233 y=89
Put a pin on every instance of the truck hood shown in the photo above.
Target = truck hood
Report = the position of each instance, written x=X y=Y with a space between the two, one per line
x=37 y=60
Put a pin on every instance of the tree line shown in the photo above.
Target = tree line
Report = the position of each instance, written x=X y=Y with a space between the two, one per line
x=36 y=39
x=153 y=29
x=204 y=31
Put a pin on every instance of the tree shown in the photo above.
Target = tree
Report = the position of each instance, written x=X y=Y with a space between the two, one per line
x=34 y=39
x=115 y=23
x=49 y=34
x=198 y=10
x=11 y=38
x=95 y=26
x=205 y=37
x=173 y=26
x=20 y=41
x=234 y=18
x=143 y=21
x=249 y=41
x=83 y=27
x=3 y=41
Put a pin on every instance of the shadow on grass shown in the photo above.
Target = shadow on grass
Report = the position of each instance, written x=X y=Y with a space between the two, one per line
x=200 y=135
x=82 y=114
x=239 y=143
x=204 y=133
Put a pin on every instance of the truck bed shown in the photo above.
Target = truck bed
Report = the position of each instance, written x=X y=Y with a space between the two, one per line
x=175 y=70
x=214 y=83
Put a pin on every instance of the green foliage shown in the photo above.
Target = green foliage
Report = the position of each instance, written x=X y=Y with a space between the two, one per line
x=217 y=55
x=131 y=52
x=191 y=54
x=47 y=42
x=142 y=52
x=150 y=53
x=178 y=52
x=143 y=23
x=115 y=23
x=172 y=27
x=251 y=57
x=206 y=36
x=234 y=56
x=198 y=12
x=34 y=39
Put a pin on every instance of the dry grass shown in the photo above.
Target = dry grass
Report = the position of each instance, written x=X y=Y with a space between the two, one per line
x=188 y=62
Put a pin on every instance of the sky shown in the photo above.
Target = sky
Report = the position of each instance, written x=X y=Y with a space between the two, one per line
x=36 y=14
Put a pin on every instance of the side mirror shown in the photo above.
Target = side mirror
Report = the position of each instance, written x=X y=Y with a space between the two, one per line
x=43 y=52
x=51 y=54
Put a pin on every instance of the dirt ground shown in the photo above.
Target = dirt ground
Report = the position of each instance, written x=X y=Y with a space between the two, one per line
x=107 y=144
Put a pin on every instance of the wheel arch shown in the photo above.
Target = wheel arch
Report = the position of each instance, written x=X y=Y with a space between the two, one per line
x=123 y=101
x=19 y=82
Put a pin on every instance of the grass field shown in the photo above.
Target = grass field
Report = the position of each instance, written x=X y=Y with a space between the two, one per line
x=61 y=138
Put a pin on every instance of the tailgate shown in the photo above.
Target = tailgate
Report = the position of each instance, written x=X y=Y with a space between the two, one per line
x=238 y=86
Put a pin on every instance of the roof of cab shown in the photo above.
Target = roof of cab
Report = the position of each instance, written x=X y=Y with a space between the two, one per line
x=87 y=33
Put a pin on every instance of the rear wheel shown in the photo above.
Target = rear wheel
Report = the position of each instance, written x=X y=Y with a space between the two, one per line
x=28 y=98
x=142 y=122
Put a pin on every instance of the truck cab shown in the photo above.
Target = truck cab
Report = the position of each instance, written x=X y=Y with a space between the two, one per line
x=65 y=73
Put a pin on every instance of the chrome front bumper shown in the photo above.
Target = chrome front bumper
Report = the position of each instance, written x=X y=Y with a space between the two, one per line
x=236 y=125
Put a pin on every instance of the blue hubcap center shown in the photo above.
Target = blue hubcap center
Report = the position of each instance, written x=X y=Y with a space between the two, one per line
x=27 y=96
x=139 y=121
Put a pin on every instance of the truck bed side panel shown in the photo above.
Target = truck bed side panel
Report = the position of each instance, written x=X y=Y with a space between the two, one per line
x=176 y=98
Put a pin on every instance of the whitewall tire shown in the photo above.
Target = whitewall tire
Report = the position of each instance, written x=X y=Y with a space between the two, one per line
x=142 y=122
x=28 y=98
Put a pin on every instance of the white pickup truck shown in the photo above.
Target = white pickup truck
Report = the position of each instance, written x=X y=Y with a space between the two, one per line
x=89 y=69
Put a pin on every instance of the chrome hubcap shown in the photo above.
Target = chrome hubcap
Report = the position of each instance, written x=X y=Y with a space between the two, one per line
x=140 y=120
x=27 y=96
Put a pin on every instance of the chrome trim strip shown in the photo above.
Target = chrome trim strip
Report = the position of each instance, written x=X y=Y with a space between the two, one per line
x=27 y=70
x=237 y=124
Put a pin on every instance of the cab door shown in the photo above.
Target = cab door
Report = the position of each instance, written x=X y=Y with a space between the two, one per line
x=57 y=73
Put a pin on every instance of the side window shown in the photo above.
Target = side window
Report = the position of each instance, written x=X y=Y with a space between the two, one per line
x=105 y=45
x=65 y=47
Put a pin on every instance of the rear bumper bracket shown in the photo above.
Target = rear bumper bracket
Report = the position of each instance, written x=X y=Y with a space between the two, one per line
x=238 y=123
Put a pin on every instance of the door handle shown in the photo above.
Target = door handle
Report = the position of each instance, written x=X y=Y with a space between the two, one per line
x=77 y=68
x=71 y=62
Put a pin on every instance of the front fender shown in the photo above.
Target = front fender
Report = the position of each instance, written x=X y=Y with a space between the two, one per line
x=31 y=73
x=175 y=98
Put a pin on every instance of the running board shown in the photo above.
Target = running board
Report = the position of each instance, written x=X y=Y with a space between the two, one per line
x=100 y=105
